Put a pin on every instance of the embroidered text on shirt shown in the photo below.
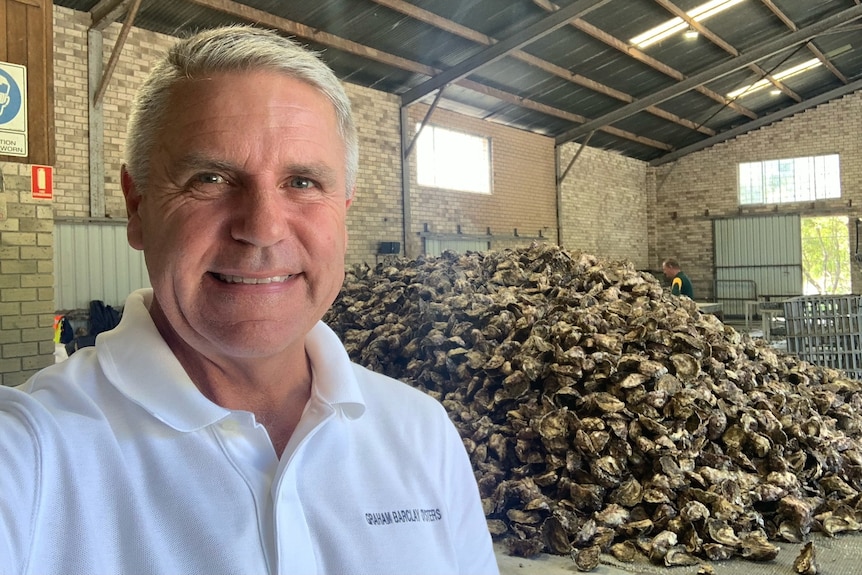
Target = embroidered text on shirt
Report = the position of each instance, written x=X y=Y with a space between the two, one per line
x=403 y=516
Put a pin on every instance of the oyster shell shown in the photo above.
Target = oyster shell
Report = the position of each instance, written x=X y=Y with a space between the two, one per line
x=804 y=563
x=599 y=412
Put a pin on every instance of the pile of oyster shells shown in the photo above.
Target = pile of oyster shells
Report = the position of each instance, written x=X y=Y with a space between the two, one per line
x=603 y=415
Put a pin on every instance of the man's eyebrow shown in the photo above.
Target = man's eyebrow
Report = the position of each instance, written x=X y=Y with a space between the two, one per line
x=194 y=162
x=319 y=172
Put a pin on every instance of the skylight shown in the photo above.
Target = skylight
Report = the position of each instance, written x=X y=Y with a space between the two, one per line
x=760 y=84
x=675 y=25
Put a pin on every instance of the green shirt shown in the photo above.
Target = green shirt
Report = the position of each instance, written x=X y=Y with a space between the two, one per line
x=681 y=285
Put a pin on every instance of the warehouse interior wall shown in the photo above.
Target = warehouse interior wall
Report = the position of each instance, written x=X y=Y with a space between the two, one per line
x=604 y=208
x=26 y=280
x=26 y=277
x=703 y=186
x=609 y=205
x=523 y=198
x=521 y=207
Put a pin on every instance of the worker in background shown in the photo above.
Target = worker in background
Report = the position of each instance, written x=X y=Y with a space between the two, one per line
x=221 y=427
x=679 y=282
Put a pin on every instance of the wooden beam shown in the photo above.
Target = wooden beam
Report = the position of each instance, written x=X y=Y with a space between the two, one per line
x=243 y=12
x=464 y=32
x=640 y=56
x=721 y=43
x=763 y=50
x=493 y=53
x=810 y=45
x=576 y=118
x=116 y=51
x=765 y=120
x=106 y=12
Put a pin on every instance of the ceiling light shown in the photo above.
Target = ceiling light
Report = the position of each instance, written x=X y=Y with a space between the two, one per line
x=675 y=25
x=760 y=84
x=690 y=34
x=775 y=92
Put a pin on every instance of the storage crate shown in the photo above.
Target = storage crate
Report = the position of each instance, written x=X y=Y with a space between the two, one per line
x=826 y=331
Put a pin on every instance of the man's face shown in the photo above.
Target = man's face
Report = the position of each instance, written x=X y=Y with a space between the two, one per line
x=242 y=223
x=669 y=272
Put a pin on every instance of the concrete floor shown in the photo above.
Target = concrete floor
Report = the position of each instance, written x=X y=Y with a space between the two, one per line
x=840 y=555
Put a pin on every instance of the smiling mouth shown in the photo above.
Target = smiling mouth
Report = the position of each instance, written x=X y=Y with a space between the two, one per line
x=251 y=281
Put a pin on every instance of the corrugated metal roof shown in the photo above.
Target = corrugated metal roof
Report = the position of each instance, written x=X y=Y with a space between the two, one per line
x=582 y=76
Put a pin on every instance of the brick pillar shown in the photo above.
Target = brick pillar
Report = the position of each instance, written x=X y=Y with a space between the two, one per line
x=26 y=277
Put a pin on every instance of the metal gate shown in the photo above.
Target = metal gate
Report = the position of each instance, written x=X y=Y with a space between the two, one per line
x=93 y=261
x=757 y=257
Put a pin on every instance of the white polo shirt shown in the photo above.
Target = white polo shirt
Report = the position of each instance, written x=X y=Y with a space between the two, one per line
x=112 y=462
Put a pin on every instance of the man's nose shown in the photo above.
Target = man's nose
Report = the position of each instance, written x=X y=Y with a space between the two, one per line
x=261 y=217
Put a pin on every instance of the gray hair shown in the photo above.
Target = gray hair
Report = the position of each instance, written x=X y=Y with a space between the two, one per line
x=231 y=49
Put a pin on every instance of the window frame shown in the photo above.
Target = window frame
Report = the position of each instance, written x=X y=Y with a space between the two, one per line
x=440 y=183
x=789 y=180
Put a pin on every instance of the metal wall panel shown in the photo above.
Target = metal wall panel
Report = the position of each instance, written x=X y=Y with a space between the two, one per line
x=436 y=246
x=93 y=261
x=757 y=257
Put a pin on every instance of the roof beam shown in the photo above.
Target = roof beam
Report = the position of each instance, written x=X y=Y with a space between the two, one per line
x=760 y=122
x=521 y=38
x=724 y=45
x=810 y=45
x=244 y=12
x=557 y=113
x=640 y=56
x=250 y=14
x=459 y=30
x=106 y=12
x=763 y=50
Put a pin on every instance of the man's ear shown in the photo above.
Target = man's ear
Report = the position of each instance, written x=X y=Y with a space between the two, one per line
x=134 y=230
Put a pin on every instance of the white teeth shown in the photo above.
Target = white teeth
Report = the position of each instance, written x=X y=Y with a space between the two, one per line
x=242 y=280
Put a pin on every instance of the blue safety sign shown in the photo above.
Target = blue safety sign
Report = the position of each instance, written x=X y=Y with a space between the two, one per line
x=13 y=109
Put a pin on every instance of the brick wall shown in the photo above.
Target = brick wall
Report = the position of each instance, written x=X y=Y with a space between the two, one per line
x=703 y=185
x=610 y=203
x=377 y=212
x=523 y=194
x=72 y=179
x=604 y=205
x=26 y=277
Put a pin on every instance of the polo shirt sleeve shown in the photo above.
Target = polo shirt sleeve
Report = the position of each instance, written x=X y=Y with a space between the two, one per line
x=475 y=550
x=676 y=286
x=20 y=483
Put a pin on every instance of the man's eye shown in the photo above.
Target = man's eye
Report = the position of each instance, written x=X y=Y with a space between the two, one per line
x=210 y=179
x=301 y=182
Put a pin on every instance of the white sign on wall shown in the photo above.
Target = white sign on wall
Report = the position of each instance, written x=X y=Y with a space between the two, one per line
x=13 y=110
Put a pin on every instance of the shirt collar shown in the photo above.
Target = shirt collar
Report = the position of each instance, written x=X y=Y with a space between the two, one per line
x=334 y=378
x=142 y=367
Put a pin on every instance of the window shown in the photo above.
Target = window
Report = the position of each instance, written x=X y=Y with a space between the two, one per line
x=826 y=255
x=789 y=180
x=453 y=160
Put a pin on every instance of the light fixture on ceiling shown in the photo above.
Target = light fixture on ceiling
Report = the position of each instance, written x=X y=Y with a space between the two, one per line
x=763 y=83
x=675 y=25
x=775 y=92
x=690 y=34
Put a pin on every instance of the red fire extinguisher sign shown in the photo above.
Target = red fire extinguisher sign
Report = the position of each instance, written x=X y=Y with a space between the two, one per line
x=42 y=178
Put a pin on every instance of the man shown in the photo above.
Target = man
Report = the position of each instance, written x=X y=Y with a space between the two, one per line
x=679 y=282
x=221 y=428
